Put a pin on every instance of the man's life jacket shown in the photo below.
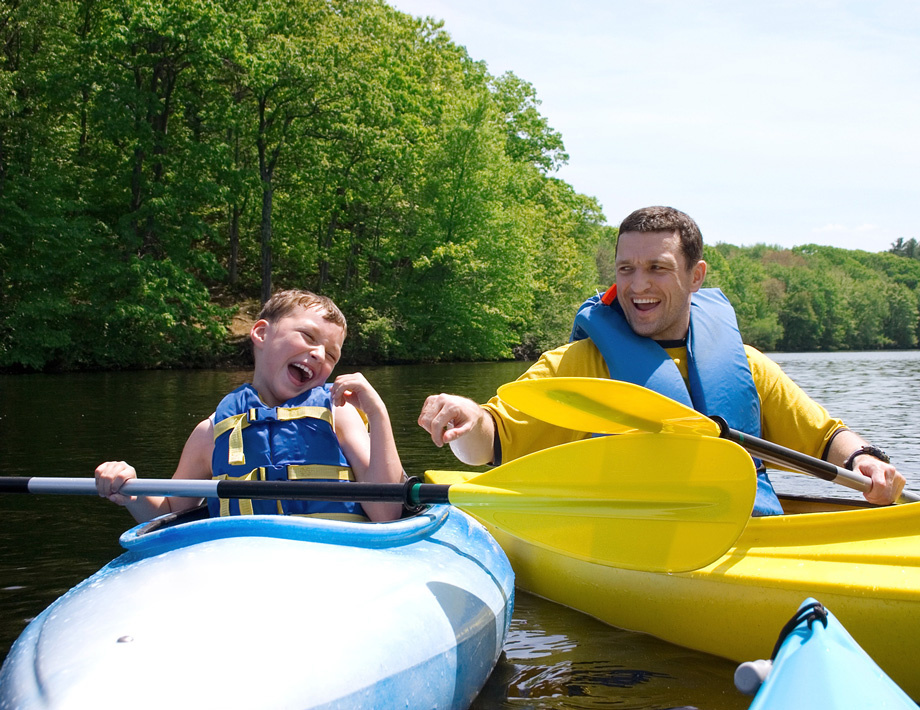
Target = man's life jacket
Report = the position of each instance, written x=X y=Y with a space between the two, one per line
x=295 y=441
x=719 y=376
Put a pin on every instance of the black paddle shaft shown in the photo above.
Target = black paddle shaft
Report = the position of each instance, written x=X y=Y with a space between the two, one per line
x=412 y=493
x=774 y=453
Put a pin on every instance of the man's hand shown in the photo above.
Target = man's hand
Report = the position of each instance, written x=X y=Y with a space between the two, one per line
x=460 y=422
x=887 y=482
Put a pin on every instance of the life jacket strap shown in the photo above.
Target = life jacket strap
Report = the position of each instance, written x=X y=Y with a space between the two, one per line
x=320 y=472
x=238 y=422
x=245 y=504
x=294 y=473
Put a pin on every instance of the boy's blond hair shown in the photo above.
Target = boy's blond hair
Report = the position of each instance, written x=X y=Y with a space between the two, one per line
x=283 y=303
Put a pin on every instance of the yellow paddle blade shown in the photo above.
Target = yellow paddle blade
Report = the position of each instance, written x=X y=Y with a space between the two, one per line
x=591 y=405
x=647 y=502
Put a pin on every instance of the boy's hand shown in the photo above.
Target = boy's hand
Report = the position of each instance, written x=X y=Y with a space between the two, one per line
x=110 y=477
x=354 y=389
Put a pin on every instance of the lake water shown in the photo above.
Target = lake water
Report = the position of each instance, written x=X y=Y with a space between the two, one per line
x=64 y=425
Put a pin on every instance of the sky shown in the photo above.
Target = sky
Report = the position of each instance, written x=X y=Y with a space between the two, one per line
x=784 y=122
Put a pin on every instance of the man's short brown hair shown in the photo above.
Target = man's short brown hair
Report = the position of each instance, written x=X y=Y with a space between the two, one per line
x=668 y=219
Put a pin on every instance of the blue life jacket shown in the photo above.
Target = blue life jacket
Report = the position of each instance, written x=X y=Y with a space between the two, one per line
x=720 y=378
x=295 y=441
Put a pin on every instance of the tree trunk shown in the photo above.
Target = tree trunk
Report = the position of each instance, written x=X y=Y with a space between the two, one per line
x=266 y=234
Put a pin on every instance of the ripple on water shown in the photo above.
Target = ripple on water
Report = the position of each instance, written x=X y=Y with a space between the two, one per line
x=555 y=657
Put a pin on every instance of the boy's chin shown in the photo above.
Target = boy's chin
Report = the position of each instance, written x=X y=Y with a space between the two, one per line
x=296 y=389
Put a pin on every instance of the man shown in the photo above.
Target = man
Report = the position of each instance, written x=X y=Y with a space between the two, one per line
x=657 y=328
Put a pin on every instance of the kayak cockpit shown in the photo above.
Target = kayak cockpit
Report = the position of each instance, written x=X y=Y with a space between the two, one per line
x=795 y=505
x=194 y=526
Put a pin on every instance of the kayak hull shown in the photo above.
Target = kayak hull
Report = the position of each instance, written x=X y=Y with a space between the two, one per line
x=275 y=612
x=819 y=665
x=863 y=563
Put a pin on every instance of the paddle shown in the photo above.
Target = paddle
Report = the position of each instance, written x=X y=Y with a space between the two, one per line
x=631 y=502
x=614 y=407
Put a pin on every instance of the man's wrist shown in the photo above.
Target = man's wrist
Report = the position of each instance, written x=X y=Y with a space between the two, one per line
x=867 y=450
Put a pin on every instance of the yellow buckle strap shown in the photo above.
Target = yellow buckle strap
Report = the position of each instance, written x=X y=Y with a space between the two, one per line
x=235 y=426
x=288 y=413
x=257 y=474
x=302 y=472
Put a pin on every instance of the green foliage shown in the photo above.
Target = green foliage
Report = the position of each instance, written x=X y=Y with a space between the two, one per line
x=906 y=247
x=158 y=157
x=605 y=258
x=819 y=298
x=154 y=154
x=747 y=285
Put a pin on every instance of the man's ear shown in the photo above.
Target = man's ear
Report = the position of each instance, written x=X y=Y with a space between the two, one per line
x=697 y=275
x=258 y=332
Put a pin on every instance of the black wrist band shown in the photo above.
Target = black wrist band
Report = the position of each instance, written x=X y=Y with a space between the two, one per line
x=873 y=451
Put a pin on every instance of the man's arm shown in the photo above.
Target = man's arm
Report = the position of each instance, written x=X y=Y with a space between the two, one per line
x=794 y=420
x=887 y=481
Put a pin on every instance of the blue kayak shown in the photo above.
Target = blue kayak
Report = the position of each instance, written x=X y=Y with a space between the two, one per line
x=274 y=612
x=817 y=664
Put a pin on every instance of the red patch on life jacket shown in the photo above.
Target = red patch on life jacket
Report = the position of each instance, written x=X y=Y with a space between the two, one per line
x=610 y=296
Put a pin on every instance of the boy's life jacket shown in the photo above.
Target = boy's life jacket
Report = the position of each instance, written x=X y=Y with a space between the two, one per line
x=295 y=441
x=720 y=380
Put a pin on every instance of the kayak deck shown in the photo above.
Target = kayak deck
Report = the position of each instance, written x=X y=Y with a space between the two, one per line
x=817 y=664
x=273 y=611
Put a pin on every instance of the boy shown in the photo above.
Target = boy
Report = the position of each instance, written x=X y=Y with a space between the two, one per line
x=286 y=424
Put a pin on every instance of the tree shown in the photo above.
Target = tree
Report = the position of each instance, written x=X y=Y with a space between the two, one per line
x=909 y=248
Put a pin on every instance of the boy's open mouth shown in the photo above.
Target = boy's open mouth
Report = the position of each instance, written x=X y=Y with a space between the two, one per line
x=300 y=373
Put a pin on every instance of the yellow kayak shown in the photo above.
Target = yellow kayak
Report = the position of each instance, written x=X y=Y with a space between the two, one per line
x=862 y=562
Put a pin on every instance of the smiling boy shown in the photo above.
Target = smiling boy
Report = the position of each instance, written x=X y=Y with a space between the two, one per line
x=287 y=424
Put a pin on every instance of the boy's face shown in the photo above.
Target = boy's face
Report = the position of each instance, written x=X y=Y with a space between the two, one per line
x=294 y=354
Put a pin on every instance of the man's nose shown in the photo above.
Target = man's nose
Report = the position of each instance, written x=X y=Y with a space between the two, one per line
x=641 y=281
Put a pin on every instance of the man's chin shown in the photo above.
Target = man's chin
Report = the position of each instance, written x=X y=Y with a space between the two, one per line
x=646 y=330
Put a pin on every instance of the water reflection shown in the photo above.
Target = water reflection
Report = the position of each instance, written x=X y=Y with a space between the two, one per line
x=558 y=658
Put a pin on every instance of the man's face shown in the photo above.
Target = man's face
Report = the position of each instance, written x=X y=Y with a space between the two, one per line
x=294 y=354
x=654 y=284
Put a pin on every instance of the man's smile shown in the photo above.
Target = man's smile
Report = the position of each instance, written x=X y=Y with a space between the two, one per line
x=645 y=304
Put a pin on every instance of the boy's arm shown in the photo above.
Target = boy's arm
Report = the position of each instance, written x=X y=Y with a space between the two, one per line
x=370 y=450
x=194 y=463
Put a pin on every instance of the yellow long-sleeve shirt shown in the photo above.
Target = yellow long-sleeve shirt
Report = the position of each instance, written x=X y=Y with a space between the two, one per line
x=789 y=417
